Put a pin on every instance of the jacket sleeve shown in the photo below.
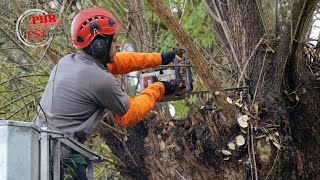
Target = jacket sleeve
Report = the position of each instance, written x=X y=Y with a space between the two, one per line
x=126 y=110
x=141 y=105
x=125 y=62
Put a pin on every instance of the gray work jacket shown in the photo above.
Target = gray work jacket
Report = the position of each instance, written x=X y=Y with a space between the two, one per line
x=78 y=91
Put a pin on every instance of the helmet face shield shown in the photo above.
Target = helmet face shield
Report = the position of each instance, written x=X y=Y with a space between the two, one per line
x=89 y=23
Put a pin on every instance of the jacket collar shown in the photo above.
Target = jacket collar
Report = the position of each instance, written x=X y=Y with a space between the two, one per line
x=83 y=55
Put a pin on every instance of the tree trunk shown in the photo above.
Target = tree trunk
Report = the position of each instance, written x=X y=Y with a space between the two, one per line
x=283 y=106
x=189 y=149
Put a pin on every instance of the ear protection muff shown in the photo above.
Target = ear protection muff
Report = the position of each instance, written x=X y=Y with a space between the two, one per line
x=100 y=47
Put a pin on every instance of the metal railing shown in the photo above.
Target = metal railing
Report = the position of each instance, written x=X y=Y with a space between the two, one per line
x=29 y=152
x=54 y=140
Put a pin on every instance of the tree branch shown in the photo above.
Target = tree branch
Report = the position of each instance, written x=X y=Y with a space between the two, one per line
x=302 y=12
x=16 y=7
x=197 y=60
x=226 y=31
x=18 y=10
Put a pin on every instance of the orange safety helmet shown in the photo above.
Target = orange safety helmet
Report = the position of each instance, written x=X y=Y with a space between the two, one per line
x=87 y=21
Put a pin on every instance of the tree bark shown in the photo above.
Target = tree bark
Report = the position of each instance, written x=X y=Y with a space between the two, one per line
x=282 y=136
x=178 y=149
x=304 y=110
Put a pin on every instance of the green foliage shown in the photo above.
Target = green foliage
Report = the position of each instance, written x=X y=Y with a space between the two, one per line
x=192 y=99
x=181 y=110
x=196 y=23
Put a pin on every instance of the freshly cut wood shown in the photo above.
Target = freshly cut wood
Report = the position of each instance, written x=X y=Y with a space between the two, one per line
x=231 y=146
x=229 y=100
x=242 y=123
x=245 y=118
x=240 y=140
x=226 y=152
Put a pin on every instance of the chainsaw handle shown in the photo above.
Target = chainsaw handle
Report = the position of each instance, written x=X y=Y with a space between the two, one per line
x=189 y=79
x=177 y=69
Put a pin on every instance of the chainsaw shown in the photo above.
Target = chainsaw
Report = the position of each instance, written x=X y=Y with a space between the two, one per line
x=178 y=74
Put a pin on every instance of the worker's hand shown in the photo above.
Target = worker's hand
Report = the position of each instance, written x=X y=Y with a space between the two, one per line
x=168 y=57
x=169 y=88
x=169 y=85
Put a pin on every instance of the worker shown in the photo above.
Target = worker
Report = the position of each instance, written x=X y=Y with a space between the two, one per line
x=82 y=86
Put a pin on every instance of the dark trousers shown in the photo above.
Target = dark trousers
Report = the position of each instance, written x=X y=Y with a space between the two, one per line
x=74 y=171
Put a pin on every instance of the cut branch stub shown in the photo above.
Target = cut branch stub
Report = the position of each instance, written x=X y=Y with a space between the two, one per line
x=242 y=121
x=240 y=140
x=231 y=146
x=197 y=59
